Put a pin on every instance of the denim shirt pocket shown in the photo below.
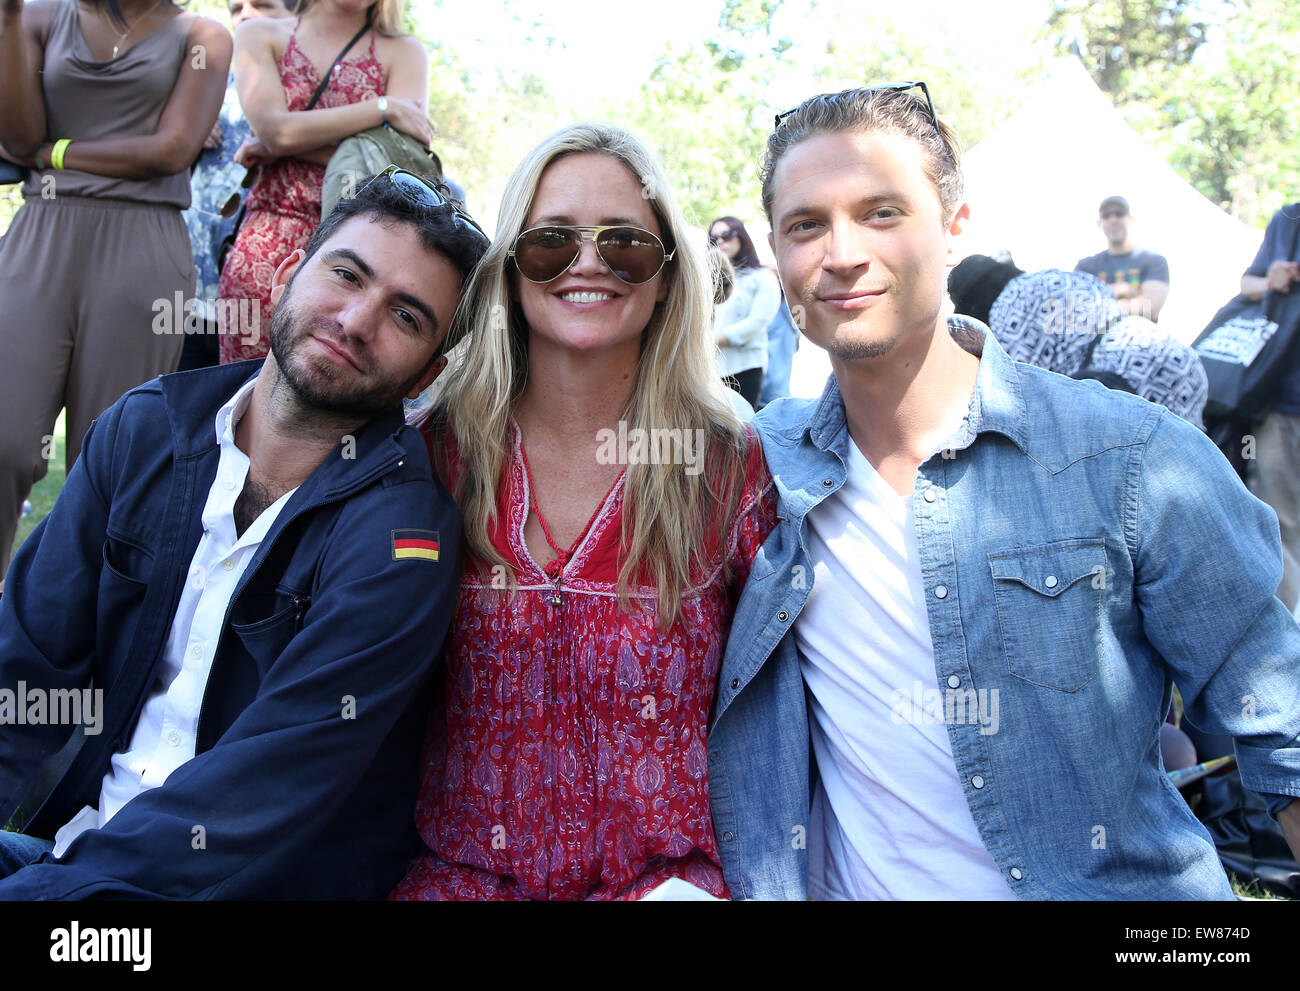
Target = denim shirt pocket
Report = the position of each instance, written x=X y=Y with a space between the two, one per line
x=1049 y=602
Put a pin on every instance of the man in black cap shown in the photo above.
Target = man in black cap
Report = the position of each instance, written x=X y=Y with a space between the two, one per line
x=1139 y=278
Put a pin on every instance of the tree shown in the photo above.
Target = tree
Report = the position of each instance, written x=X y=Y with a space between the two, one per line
x=869 y=48
x=1120 y=39
x=1229 y=120
x=703 y=110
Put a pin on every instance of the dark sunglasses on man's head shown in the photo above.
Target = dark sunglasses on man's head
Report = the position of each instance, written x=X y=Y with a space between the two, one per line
x=419 y=190
x=726 y=235
x=1109 y=214
x=632 y=254
x=891 y=87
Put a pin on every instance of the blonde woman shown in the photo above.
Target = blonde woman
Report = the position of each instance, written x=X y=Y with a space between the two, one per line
x=612 y=506
x=279 y=65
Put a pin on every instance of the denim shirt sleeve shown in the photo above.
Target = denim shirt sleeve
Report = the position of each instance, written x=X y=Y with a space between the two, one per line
x=1207 y=561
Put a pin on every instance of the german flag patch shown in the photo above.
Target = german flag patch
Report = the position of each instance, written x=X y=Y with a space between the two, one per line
x=421 y=544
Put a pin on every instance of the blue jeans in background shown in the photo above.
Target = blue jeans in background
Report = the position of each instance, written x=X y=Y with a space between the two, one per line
x=782 y=342
x=17 y=850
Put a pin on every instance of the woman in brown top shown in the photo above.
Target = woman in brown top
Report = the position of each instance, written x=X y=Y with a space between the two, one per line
x=94 y=262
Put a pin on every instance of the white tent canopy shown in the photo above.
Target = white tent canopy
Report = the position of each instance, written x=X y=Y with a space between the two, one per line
x=1035 y=183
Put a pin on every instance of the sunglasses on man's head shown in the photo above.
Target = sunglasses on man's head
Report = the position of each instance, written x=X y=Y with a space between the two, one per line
x=632 y=254
x=1110 y=214
x=890 y=87
x=724 y=236
x=419 y=190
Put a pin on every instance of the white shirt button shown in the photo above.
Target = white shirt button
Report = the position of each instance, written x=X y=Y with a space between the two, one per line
x=227 y=481
x=953 y=681
x=929 y=495
x=1051 y=581
x=1016 y=873
x=174 y=738
x=228 y=565
x=196 y=651
x=977 y=782
x=941 y=591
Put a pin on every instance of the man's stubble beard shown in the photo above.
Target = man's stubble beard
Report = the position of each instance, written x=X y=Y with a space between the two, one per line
x=855 y=349
x=287 y=336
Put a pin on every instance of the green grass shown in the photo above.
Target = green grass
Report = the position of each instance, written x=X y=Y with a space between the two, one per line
x=1251 y=890
x=46 y=490
x=10 y=201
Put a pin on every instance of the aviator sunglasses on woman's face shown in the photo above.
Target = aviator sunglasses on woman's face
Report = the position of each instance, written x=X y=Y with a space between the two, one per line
x=633 y=255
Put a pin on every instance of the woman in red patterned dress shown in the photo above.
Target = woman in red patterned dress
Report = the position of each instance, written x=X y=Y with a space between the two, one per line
x=278 y=66
x=613 y=506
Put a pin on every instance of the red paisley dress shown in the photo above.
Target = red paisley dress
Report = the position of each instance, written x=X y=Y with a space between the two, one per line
x=566 y=756
x=283 y=207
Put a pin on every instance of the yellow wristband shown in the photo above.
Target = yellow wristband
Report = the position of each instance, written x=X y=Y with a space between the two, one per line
x=56 y=155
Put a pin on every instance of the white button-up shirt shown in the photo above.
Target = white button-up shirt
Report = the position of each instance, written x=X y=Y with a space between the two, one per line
x=165 y=733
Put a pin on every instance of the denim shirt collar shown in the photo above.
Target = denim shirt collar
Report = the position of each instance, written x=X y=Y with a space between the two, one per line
x=997 y=404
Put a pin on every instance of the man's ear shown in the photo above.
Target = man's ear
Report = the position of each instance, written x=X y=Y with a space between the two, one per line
x=284 y=272
x=956 y=228
x=428 y=378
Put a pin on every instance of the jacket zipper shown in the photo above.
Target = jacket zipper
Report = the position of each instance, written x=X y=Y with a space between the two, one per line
x=300 y=604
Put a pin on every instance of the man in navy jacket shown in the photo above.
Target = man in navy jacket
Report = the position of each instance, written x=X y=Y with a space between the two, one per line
x=238 y=625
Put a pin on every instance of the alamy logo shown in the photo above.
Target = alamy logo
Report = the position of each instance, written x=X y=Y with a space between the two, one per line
x=956 y=706
x=25 y=706
x=656 y=446
x=77 y=945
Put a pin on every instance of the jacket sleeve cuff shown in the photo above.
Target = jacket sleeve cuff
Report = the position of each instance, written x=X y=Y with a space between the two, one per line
x=1276 y=803
x=1274 y=774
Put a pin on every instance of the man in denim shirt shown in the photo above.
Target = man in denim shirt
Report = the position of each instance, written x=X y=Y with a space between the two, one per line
x=985 y=581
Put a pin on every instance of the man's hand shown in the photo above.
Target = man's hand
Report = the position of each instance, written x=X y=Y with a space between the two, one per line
x=1123 y=290
x=253 y=153
x=1289 y=820
x=1281 y=274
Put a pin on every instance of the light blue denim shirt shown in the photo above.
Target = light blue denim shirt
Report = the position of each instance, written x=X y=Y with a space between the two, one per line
x=1082 y=551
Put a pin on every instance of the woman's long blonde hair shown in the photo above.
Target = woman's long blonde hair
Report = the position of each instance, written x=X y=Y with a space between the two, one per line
x=669 y=515
x=387 y=19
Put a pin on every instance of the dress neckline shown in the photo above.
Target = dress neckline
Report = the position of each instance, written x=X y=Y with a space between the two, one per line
x=367 y=55
x=88 y=56
x=564 y=556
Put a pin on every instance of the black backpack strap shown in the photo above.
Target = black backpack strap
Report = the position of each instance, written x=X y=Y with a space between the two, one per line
x=346 y=48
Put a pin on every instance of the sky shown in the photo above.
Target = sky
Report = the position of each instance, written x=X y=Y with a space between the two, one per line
x=603 y=48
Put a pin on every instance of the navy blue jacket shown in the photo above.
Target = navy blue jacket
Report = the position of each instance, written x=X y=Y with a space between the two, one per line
x=305 y=771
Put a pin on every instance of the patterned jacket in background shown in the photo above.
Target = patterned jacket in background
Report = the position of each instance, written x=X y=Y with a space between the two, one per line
x=1050 y=318
x=216 y=177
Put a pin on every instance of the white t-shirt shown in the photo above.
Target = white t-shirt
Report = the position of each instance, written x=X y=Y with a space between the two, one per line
x=889 y=820
x=165 y=734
